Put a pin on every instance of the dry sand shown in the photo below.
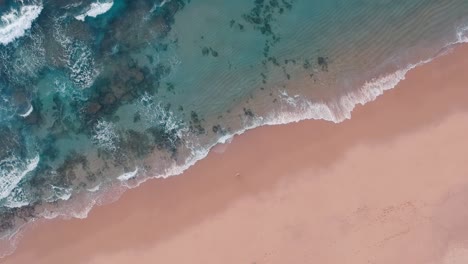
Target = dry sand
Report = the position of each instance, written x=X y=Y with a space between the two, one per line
x=388 y=186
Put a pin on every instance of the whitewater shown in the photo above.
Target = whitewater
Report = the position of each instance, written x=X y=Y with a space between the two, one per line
x=95 y=9
x=15 y=23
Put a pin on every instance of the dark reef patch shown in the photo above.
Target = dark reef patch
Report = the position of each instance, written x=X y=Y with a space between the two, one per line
x=137 y=143
x=209 y=51
x=323 y=63
x=165 y=140
x=196 y=123
x=249 y=113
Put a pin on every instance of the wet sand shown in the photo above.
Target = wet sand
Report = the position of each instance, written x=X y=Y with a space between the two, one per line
x=388 y=186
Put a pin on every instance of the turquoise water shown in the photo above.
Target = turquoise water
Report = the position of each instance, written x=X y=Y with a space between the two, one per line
x=101 y=95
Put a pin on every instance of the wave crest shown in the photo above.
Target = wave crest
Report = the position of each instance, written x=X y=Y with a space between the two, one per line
x=96 y=9
x=16 y=22
x=12 y=171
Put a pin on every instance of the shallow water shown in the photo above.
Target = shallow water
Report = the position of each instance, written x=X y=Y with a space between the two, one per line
x=97 y=95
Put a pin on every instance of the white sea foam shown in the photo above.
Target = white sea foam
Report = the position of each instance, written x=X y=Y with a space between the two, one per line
x=81 y=205
x=95 y=188
x=80 y=212
x=59 y=34
x=17 y=198
x=61 y=193
x=462 y=34
x=105 y=135
x=81 y=65
x=96 y=9
x=30 y=110
x=65 y=88
x=157 y=6
x=72 y=5
x=16 y=22
x=153 y=113
x=78 y=57
x=128 y=175
x=12 y=170
x=27 y=61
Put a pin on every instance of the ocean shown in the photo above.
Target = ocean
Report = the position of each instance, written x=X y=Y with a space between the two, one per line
x=98 y=96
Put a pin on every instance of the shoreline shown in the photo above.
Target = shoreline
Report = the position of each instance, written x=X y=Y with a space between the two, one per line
x=233 y=181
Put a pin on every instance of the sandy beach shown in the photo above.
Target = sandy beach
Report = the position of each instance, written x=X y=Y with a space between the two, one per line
x=388 y=186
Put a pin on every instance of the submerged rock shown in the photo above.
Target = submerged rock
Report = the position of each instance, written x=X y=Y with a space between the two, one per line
x=196 y=124
x=109 y=98
x=93 y=108
x=323 y=63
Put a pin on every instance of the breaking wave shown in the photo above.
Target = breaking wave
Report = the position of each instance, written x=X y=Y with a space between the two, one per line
x=128 y=175
x=12 y=171
x=28 y=112
x=15 y=23
x=96 y=9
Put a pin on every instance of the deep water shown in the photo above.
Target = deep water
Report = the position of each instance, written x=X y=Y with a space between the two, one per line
x=99 y=94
